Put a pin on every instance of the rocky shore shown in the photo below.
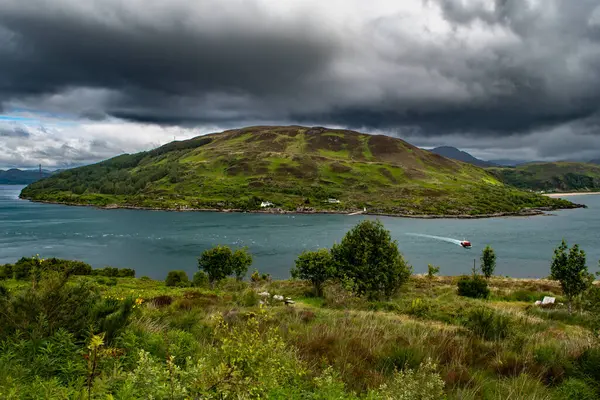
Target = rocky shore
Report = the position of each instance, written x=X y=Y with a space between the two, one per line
x=305 y=210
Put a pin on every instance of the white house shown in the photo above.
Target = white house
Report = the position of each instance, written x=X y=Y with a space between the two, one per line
x=333 y=201
x=266 y=204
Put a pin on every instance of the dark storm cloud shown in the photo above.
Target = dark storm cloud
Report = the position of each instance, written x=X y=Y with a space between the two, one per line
x=430 y=67
x=13 y=132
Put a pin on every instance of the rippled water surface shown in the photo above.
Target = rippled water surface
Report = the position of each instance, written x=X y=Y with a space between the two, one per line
x=154 y=242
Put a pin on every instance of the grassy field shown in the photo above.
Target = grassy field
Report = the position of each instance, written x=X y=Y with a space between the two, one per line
x=182 y=341
x=551 y=176
x=297 y=169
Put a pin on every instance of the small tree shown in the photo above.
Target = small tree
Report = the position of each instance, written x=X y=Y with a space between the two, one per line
x=220 y=262
x=432 y=270
x=488 y=261
x=370 y=260
x=241 y=260
x=200 y=279
x=316 y=267
x=570 y=270
x=177 y=278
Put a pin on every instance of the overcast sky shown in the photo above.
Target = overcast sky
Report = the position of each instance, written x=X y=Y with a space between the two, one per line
x=82 y=81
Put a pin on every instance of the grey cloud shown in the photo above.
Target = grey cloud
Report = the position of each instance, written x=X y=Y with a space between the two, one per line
x=13 y=132
x=508 y=69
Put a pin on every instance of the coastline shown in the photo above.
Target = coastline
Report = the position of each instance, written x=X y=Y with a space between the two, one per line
x=570 y=194
x=522 y=213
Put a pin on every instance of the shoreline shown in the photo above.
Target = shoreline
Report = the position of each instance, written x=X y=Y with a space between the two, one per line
x=524 y=213
x=554 y=195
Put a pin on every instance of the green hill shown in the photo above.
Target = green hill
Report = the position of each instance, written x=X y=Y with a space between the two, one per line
x=297 y=169
x=21 y=177
x=552 y=176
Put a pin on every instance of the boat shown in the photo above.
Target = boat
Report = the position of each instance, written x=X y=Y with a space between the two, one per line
x=466 y=244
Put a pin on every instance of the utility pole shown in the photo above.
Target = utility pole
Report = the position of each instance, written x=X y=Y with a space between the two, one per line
x=40 y=171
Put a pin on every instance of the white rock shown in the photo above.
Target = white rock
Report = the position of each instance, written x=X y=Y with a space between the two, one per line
x=538 y=302
x=264 y=294
x=548 y=300
x=278 y=297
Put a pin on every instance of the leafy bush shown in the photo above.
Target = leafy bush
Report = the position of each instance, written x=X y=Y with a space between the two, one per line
x=316 y=267
x=588 y=364
x=570 y=270
x=200 y=279
x=488 y=324
x=22 y=268
x=177 y=278
x=40 y=311
x=577 y=389
x=113 y=272
x=220 y=262
x=432 y=270
x=423 y=384
x=370 y=258
x=126 y=273
x=473 y=286
x=419 y=308
x=248 y=298
x=6 y=271
x=488 y=261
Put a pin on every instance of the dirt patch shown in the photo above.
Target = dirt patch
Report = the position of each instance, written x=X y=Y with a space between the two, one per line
x=339 y=168
x=386 y=172
x=413 y=173
x=442 y=162
x=385 y=148
x=317 y=140
x=301 y=172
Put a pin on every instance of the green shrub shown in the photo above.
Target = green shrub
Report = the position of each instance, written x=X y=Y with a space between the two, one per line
x=401 y=357
x=126 y=273
x=248 y=298
x=22 y=268
x=488 y=324
x=570 y=270
x=113 y=272
x=369 y=258
x=588 y=364
x=432 y=270
x=177 y=278
x=577 y=389
x=53 y=304
x=220 y=262
x=473 y=286
x=423 y=384
x=316 y=267
x=488 y=261
x=6 y=271
x=419 y=308
x=200 y=279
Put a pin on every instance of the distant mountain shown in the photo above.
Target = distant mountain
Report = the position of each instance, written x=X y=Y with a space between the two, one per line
x=21 y=177
x=595 y=161
x=456 y=154
x=551 y=176
x=506 y=162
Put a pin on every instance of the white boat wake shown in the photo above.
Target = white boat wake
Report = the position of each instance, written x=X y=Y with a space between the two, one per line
x=445 y=239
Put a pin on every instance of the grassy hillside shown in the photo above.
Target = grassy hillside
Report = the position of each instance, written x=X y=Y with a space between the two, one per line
x=296 y=168
x=222 y=342
x=552 y=176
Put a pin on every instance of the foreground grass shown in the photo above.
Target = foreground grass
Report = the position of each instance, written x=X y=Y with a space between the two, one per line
x=339 y=346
